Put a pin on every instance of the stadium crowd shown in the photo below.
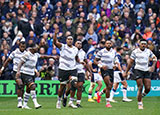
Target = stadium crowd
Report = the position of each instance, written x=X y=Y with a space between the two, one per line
x=124 y=22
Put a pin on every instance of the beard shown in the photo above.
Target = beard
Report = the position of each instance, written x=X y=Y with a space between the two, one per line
x=108 y=48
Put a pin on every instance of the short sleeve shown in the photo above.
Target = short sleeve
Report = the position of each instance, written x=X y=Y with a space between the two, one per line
x=62 y=48
x=151 y=55
x=99 y=54
x=116 y=59
x=133 y=55
x=25 y=57
x=38 y=55
x=12 y=55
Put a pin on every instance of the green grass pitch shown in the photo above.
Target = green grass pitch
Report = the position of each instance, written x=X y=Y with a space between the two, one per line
x=151 y=107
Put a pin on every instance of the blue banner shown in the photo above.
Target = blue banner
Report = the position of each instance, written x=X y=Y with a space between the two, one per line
x=50 y=88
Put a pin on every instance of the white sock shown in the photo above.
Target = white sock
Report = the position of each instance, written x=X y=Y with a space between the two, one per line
x=89 y=96
x=34 y=97
x=101 y=93
x=26 y=98
x=19 y=99
x=79 y=102
x=65 y=96
x=71 y=100
x=112 y=94
x=140 y=103
x=59 y=99
x=124 y=93
x=95 y=94
x=107 y=100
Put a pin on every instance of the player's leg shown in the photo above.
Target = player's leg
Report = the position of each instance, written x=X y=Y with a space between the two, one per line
x=92 y=85
x=99 y=82
x=32 y=87
x=79 y=93
x=26 y=98
x=20 y=88
x=147 y=85
x=108 y=88
x=125 y=99
x=102 y=92
x=139 y=95
x=27 y=95
x=81 y=80
x=72 y=94
x=64 y=79
x=73 y=79
x=66 y=93
x=113 y=91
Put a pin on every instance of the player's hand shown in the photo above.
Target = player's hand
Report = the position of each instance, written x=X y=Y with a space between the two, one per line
x=151 y=69
x=94 y=70
x=104 y=67
x=18 y=74
x=83 y=63
x=37 y=74
x=125 y=74
x=0 y=73
x=90 y=74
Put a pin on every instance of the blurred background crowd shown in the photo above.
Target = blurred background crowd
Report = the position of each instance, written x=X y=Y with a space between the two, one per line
x=124 y=22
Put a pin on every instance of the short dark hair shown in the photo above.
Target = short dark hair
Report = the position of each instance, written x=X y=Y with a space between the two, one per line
x=32 y=45
x=119 y=48
x=89 y=39
x=143 y=40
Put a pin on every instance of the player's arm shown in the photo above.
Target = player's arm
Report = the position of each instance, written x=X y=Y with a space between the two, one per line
x=130 y=63
x=55 y=41
x=88 y=67
x=5 y=65
x=19 y=68
x=47 y=57
x=117 y=64
x=119 y=67
x=154 y=60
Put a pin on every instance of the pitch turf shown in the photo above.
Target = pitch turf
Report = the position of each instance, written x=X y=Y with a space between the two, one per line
x=151 y=107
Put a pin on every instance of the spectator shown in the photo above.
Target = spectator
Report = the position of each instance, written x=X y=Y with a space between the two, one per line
x=7 y=39
x=91 y=34
x=147 y=33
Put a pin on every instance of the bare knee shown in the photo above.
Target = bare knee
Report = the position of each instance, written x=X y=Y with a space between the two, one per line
x=140 y=87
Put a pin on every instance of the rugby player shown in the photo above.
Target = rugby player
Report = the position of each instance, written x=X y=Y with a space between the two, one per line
x=141 y=56
x=105 y=60
x=67 y=72
x=26 y=69
x=96 y=78
x=16 y=56
x=118 y=78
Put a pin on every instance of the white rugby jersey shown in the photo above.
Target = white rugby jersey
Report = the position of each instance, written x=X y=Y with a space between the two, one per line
x=30 y=62
x=16 y=57
x=82 y=56
x=67 y=57
x=141 y=58
x=107 y=57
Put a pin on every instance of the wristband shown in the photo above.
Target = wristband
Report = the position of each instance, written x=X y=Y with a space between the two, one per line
x=99 y=65
x=2 y=68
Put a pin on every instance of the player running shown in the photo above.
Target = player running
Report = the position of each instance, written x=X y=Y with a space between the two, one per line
x=26 y=69
x=67 y=66
x=81 y=72
x=96 y=78
x=105 y=60
x=16 y=56
x=141 y=56
x=118 y=78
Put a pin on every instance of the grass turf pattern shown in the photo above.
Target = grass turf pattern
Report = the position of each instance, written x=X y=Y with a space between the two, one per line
x=151 y=107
